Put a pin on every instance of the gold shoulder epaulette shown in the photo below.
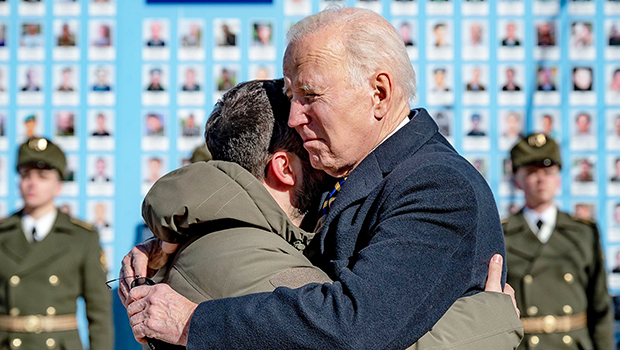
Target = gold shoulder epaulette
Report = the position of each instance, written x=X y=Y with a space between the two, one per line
x=82 y=224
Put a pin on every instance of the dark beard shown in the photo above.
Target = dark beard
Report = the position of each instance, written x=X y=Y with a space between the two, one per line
x=311 y=189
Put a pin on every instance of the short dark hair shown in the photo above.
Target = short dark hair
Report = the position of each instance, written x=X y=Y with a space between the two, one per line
x=249 y=123
x=585 y=114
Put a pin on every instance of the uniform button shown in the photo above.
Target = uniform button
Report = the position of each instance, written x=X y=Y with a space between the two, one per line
x=567 y=309
x=14 y=312
x=532 y=310
x=53 y=280
x=534 y=340
x=528 y=279
x=567 y=340
x=16 y=343
x=51 y=343
x=569 y=278
x=51 y=311
x=14 y=281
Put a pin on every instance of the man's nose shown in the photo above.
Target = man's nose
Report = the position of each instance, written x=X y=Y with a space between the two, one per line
x=297 y=115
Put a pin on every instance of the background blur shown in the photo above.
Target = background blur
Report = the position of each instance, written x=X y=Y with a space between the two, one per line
x=125 y=87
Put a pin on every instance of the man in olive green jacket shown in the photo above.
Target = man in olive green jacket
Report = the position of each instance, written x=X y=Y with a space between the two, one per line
x=239 y=232
x=555 y=261
x=48 y=260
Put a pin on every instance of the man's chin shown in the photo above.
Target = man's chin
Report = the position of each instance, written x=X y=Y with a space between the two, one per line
x=316 y=162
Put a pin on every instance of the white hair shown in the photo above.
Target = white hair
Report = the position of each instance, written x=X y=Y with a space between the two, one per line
x=370 y=41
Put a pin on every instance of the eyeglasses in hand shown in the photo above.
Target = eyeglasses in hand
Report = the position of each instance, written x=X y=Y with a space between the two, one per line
x=137 y=281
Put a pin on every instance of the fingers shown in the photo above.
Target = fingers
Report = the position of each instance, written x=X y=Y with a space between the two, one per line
x=139 y=261
x=139 y=333
x=138 y=294
x=508 y=290
x=494 y=277
x=134 y=263
x=138 y=311
x=159 y=312
x=123 y=286
x=150 y=328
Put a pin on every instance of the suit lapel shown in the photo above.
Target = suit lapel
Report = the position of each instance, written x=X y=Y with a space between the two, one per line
x=359 y=184
x=378 y=164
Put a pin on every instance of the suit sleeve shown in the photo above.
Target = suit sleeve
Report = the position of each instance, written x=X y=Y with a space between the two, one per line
x=600 y=311
x=97 y=296
x=418 y=260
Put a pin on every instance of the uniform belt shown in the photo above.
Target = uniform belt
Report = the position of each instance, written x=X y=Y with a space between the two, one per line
x=37 y=323
x=553 y=324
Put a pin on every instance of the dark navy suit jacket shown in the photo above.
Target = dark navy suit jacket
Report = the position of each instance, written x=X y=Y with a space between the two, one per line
x=412 y=230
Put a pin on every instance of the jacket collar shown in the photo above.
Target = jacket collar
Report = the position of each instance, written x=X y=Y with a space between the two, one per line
x=13 y=243
x=525 y=243
x=33 y=255
x=218 y=192
x=276 y=219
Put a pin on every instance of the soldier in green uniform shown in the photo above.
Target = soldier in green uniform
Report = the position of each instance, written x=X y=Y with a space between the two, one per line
x=555 y=261
x=48 y=260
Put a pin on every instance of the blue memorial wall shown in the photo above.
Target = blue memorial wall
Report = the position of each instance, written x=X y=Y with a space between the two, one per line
x=125 y=88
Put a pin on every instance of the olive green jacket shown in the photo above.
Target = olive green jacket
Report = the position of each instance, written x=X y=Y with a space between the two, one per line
x=235 y=237
x=53 y=273
x=236 y=240
x=564 y=276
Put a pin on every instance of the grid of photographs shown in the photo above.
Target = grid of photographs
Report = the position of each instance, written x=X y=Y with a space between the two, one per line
x=492 y=71
x=50 y=97
x=177 y=92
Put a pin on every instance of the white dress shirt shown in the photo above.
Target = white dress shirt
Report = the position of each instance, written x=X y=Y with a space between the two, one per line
x=43 y=226
x=548 y=218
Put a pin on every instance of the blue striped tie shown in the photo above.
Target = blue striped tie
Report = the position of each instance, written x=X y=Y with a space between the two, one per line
x=332 y=196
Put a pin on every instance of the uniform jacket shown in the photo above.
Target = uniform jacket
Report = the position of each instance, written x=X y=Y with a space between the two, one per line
x=564 y=276
x=53 y=273
x=412 y=230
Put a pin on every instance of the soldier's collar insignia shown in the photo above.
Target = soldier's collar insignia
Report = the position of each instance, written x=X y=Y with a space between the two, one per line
x=39 y=145
x=537 y=140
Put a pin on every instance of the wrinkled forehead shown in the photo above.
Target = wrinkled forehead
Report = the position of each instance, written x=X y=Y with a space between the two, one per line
x=312 y=58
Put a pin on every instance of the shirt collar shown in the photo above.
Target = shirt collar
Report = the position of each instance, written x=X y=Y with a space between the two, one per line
x=548 y=217
x=43 y=225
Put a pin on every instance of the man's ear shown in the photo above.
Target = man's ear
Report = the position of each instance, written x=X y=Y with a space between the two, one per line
x=382 y=93
x=280 y=173
x=58 y=188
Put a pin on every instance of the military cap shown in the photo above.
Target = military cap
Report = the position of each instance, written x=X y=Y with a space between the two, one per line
x=43 y=154
x=201 y=154
x=537 y=149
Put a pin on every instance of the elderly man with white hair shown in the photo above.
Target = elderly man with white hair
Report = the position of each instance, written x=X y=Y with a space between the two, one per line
x=409 y=229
